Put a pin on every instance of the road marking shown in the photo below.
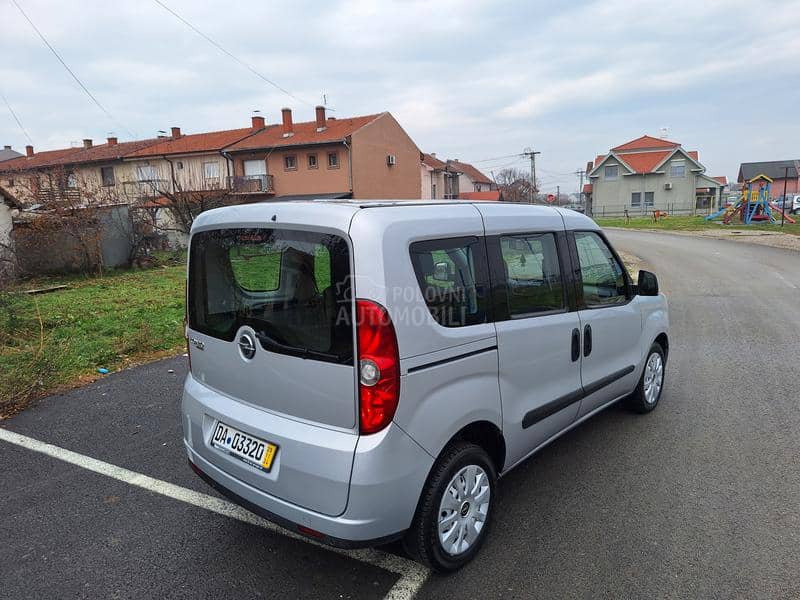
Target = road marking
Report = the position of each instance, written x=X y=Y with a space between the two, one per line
x=412 y=574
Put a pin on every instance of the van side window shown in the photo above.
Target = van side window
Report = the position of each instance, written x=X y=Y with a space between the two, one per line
x=532 y=274
x=602 y=276
x=453 y=277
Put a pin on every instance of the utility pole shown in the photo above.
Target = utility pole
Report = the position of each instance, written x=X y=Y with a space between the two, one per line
x=783 y=205
x=530 y=153
x=580 y=173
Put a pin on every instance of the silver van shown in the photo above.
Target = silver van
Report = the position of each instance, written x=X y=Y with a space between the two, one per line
x=362 y=372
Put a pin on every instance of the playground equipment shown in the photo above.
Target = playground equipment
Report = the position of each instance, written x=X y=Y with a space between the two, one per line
x=753 y=206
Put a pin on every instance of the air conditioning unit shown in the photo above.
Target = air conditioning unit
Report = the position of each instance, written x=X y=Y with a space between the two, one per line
x=391 y=159
x=667 y=186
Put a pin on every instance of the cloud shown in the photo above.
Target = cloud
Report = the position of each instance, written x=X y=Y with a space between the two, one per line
x=469 y=80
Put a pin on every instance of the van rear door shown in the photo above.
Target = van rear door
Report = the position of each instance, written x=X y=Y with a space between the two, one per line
x=270 y=325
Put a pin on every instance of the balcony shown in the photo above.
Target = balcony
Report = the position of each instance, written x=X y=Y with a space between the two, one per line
x=251 y=184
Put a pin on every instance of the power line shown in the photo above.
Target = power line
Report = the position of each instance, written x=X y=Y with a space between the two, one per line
x=70 y=71
x=228 y=53
x=489 y=159
x=16 y=118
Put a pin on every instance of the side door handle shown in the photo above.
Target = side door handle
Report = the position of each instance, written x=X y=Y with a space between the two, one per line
x=587 y=340
x=576 y=344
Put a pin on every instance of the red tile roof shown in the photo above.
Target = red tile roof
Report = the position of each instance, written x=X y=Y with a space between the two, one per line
x=599 y=159
x=723 y=179
x=212 y=141
x=645 y=142
x=495 y=195
x=76 y=156
x=587 y=188
x=46 y=158
x=694 y=154
x=469 y=171
x=304 y=133
x=433 y=162
x=644 y=162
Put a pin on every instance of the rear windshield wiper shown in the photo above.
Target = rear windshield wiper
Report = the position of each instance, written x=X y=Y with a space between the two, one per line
x=300 y=351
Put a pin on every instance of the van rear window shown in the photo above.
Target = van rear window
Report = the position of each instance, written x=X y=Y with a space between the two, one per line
x=292 y=287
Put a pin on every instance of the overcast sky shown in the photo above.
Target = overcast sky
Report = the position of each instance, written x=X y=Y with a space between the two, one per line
x=468 y=80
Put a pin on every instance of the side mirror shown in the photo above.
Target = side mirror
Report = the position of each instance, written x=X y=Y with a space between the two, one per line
x=441 y=271
x=648 y=284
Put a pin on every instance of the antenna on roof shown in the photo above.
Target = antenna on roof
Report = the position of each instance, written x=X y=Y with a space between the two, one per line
x=256 y=111
x=664 y=133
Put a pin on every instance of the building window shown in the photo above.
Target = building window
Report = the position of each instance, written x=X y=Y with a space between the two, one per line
x=649 y=199
x=255 y=168
x=611 y=172
x=145 y=173
x=333 y=160
x=290 y=162
x=677 y=168
x=433 y=191
x=179 y=164
x=312 y=161
x=636 y=199
x=211 y=170
x=107 y=175
x=72 y=181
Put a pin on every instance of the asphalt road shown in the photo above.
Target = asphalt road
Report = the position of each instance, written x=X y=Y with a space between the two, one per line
x=700 y=499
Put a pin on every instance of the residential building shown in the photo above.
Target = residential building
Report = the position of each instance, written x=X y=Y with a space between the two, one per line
x=471 y=179
x=450 y=178
x=359 y=157
x=782 y=172
x=87 y=174
x=7 y=153
x=648 y=174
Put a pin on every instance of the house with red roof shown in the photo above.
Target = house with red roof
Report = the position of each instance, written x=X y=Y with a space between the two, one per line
x=451 y=178
x=367 y=156
x=648 y=174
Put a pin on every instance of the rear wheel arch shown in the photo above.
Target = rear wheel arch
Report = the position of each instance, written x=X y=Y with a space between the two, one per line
x=486 y=435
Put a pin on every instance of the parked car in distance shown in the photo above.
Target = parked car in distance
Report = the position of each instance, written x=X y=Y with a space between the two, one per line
x=791 y=203
x=362 y=372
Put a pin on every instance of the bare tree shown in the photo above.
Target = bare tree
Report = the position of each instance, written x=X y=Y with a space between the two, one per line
x=515 y=185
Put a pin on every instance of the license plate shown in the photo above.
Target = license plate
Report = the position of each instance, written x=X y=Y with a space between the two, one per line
x=245 y=447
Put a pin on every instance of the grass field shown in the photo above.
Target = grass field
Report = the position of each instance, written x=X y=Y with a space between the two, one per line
x=62 y=337
x=695 y=223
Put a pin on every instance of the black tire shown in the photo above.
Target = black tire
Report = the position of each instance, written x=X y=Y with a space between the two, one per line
x=422 y=539
x=637 y=401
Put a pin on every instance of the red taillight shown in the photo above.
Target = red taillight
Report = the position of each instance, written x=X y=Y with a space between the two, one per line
x=378 y=367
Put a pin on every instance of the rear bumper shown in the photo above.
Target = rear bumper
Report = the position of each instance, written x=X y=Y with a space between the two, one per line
x=287 y=523
x=381 y=490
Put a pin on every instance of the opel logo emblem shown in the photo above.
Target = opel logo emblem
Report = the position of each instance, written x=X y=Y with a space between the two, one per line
x=247 y=345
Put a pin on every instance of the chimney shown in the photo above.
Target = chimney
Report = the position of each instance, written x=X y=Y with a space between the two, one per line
x=258 y=123
x=28 y=151
x=320 y=110
x=6 y=147
x=176 y=133
x=112 y=141
x=433 y=154
x=288 y=127
x=87 y=143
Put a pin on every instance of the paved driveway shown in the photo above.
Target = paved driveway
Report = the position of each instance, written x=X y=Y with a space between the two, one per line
x=699 y=499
